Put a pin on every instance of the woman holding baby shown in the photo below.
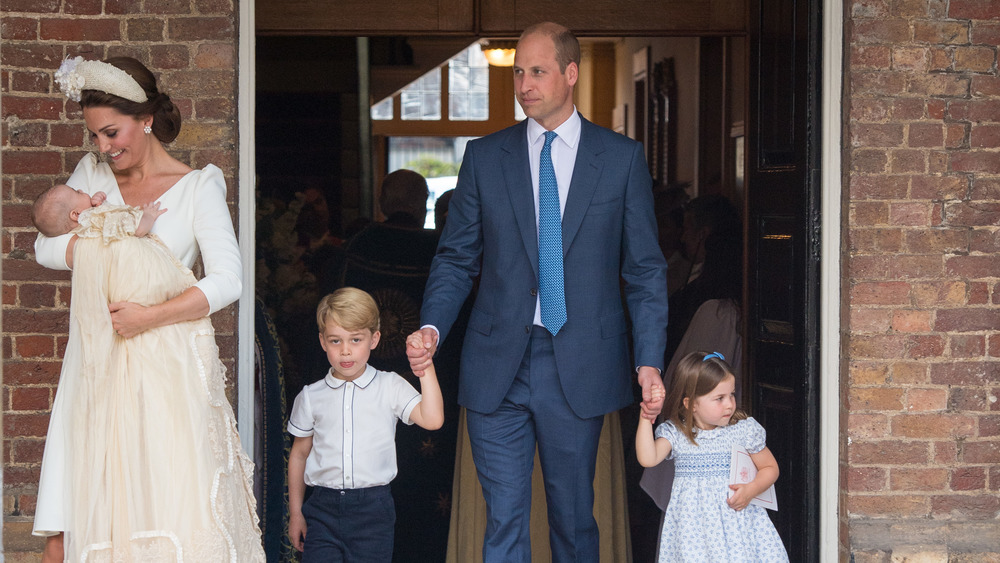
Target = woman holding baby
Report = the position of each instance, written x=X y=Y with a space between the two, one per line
x=142 y=460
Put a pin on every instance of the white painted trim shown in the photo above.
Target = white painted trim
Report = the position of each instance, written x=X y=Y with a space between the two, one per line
x=829 y=392
x=247 y=213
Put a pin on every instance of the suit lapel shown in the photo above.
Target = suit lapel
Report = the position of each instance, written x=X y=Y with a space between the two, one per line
x=517 y=178
x=586 y=174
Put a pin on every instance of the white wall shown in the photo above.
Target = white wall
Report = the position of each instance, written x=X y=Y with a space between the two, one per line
x=685 y=52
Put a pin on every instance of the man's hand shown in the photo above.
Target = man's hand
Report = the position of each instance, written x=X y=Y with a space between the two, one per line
x=420 y=349
x=651 y=405
x=658 y=393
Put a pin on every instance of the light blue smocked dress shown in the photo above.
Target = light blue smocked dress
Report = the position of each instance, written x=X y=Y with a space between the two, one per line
x=698 y=525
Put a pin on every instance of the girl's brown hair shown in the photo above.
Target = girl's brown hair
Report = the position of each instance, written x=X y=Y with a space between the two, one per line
x=695 y=376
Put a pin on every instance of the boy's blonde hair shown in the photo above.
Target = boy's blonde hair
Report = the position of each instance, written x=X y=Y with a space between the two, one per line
x=349 y=307
x=695 y=376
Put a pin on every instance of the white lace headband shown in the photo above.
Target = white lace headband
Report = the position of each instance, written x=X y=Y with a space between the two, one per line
x=75 y=75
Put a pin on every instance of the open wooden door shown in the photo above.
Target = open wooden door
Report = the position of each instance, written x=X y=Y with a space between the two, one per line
x=783 y=255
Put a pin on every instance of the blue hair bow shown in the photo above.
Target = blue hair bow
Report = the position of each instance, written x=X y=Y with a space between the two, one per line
x=713 y=355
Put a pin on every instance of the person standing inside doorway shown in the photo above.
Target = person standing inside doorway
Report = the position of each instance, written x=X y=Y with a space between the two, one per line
x=551 y=215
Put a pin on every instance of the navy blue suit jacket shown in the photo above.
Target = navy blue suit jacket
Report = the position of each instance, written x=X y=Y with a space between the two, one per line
x=609 y=234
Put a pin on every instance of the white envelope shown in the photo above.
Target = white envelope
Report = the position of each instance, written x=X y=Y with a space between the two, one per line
x=742 y=470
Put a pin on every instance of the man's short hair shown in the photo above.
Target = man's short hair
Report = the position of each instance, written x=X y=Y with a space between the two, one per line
x=404 y=191
x=349 y=307
x=567 y=45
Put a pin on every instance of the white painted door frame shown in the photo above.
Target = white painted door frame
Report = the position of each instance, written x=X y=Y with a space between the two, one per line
x=246 y=105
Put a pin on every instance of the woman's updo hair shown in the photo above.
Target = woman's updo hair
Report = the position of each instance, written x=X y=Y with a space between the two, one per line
x=166 y=116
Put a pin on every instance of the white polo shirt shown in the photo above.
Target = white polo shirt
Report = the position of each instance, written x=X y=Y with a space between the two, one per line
x=353 y=427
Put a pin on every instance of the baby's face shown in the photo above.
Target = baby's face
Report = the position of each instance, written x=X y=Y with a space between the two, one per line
x=79 y=200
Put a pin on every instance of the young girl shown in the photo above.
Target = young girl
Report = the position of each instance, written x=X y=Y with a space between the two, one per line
x=702 y=522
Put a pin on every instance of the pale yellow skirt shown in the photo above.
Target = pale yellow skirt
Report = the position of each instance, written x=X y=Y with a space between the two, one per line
x=468 y=509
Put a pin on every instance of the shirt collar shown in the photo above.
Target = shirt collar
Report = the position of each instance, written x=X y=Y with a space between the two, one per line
x=568 y=131
x=367 y=377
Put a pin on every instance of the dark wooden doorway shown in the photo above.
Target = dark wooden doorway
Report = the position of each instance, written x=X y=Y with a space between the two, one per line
x=781 y=205
x=783 y=255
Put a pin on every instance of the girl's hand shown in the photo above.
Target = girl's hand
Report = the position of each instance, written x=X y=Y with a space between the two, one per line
x=649 y=377
x=657 y=393
x=129 y=319
x=741 y=498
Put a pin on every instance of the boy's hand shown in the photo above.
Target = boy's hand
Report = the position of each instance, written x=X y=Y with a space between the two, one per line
x=150 y=212
x=98 y=198
x=740 y=499
x=421 y=353
x=415 y=342
x=297 y=530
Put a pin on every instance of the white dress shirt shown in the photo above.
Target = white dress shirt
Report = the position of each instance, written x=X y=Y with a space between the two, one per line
x=353 y=428
x=564 y=149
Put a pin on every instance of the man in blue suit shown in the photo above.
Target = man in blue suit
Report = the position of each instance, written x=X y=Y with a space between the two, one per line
x=546 y=353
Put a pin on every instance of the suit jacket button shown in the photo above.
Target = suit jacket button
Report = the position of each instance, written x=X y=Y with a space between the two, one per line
x=534 y=292
x=527 y=329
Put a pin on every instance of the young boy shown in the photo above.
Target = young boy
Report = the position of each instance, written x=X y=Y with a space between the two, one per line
x=344 y=427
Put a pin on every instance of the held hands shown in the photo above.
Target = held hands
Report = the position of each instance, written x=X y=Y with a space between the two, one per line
x=150 y=212
x=297 y=530
x=657 y=394
x=420 y=349
x=415 y=342
x=650 y=406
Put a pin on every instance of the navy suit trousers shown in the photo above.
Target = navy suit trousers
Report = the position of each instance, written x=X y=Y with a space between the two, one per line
x=535 y=411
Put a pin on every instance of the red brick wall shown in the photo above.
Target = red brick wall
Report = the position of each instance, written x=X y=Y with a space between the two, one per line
x=191 y=46
x=923 y=329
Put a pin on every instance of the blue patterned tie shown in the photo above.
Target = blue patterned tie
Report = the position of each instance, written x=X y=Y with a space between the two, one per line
x=550 y=247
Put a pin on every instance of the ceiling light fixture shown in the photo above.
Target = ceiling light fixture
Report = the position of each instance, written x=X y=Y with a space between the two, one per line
x=499 y=52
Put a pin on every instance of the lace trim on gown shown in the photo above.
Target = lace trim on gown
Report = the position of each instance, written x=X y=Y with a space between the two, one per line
x=229 y=529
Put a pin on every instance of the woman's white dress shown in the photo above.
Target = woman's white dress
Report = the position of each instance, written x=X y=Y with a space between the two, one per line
x=698 y=524
x=142 y=460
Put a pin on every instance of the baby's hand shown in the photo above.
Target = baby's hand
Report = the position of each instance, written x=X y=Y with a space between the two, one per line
x=150 y=211
x=98 y=198
x=740 y=499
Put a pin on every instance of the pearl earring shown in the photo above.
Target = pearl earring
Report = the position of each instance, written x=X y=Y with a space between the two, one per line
x=147 y=129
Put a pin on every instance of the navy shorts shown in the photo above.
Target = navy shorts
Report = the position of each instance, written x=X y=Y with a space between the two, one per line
x=349 y=525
